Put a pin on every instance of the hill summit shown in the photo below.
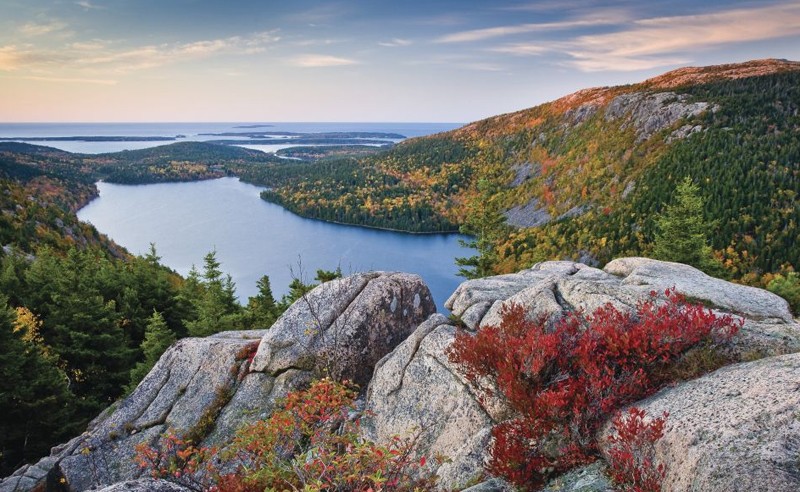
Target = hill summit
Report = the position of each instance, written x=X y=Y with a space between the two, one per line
x=583 y=177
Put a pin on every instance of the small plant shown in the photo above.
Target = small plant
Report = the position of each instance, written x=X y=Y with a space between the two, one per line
x=310 y=443
x=178 y=460
x=632 y=450
x=565 y=380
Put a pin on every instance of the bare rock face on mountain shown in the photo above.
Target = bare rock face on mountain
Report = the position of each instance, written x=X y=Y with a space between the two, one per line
x=651 y=113
x=417 y=392
x=737 y=429
x=211 y=386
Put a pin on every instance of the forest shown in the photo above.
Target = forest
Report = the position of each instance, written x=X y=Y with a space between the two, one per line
x=82 y=321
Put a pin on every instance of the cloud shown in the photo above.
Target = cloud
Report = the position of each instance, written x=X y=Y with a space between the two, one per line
x=502 y=31
x=396 y=42
x=315 y=61
x=655 y=42
x=460 y=62
x=9 y=58
x=524 y=49
x=70 y=80
x=105 y=56
x=40 y=29
x=661 y=41
x=86 y=5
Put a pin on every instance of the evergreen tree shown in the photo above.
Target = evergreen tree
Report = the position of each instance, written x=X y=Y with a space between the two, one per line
x=82 y=327
x=35 y=403
x=217 y=308
x=262 y=311
x=682 y=230
x=487 y=226
x=328 y=275
x=157 y=339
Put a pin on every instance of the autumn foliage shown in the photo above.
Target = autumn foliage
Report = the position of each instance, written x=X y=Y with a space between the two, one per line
x=310 y=443
x=564 y=380
x=631 y=451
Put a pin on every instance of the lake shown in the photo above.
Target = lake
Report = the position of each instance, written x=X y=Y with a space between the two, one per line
x=253 y=237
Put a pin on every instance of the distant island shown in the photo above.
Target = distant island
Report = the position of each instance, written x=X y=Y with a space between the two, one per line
x=92 y=138
x=381 y=135
x=254 y=126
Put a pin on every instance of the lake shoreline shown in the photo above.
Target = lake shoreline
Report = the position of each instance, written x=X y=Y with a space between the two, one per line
x=255 y=237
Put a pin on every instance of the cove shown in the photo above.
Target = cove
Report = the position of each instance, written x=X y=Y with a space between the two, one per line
x=254 y=238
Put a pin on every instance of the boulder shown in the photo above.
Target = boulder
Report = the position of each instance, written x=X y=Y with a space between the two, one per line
x=752 y=303
x=590 y=478
x=145 y=485
x=416 y=393
x=210 y=386
x=346 y=325
x=553 y=288
x=737 y=429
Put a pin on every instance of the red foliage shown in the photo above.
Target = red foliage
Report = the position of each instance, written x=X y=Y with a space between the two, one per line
x=631 y=453
x=310 y=443
x=565 y=381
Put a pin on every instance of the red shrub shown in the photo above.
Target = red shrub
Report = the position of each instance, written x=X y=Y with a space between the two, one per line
x=565 y=381
x=309 y=443
x=631 y=453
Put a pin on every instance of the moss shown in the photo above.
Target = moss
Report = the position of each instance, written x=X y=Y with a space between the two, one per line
x=205 y=424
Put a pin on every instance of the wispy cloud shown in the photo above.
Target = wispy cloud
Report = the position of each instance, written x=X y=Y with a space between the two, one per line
x=107 y=56
x=41 y=28
x=664 y=41
x=317 y=61
x=70 y=80
x=9 y=58
x=395 y=42
x=87 y=5
x=460 y=62
x=502 y=31
x=648 y=43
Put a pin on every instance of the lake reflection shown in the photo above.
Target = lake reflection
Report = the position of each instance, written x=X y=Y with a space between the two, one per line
x=253 y=237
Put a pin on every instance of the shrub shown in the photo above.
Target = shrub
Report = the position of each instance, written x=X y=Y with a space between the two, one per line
x=564 y=381
x=631 y=452
x=178 y=460
x=310 y=443
x=788 y=287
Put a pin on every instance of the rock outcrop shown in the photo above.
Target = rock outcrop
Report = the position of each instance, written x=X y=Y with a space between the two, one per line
x=734 y=429
x=737 y=429
x=417 y=391
x=649 y=113
x=210 y=387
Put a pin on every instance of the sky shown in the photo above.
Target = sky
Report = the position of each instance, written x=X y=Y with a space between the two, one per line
x=356 y=60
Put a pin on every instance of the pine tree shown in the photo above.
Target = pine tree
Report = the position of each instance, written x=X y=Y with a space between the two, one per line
x=682 y=230
x=157 y=339
x=35 y=404
x=487 y=226
x=217 y=308
x=262 y=310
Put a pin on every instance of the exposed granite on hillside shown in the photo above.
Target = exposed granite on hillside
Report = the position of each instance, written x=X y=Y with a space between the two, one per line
x=415 y=386
x=361 y=318
x=735 y=429
x=531 y=214
x=648 y=114
x=701 y=75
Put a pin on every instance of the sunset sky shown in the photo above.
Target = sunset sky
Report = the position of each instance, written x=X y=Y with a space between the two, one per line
x=355 y=60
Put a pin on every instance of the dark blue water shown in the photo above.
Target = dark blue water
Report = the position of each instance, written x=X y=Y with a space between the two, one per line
x=253 y=238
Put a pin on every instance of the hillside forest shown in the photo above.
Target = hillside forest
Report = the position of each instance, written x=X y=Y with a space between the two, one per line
x=708 y=160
